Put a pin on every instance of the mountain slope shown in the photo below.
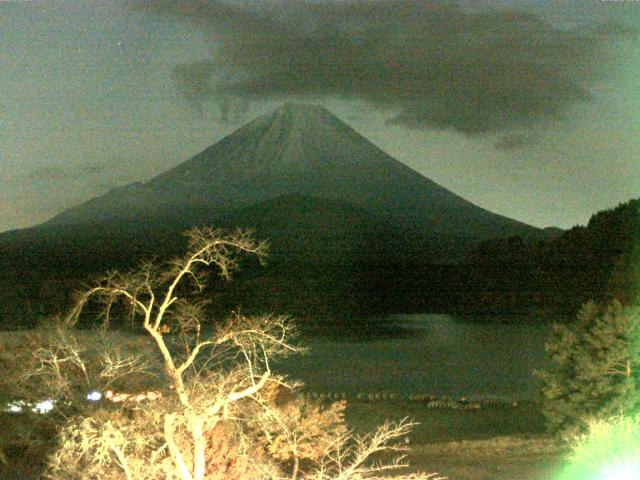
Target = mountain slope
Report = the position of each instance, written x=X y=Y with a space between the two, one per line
x=301 y=149
x=325 y=256
x=303 y=229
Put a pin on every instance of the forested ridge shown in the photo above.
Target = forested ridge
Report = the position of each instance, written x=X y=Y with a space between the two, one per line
x=598 y=261
x=507 y=275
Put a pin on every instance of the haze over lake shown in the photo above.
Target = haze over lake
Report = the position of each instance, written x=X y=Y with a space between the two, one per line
x=444 y=355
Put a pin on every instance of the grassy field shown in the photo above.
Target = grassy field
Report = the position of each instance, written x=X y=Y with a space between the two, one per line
x=498 y=458
x=491 y=443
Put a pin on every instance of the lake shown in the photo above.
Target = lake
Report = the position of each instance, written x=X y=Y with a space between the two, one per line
x=444 y=355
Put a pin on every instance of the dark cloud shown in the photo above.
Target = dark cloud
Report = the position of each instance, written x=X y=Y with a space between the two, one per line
x=200 y=83
x=195 y=82
x=430 y=64
x=517 y=140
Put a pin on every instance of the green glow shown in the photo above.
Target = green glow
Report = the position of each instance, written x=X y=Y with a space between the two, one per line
x=626 y=469
x=609 y=451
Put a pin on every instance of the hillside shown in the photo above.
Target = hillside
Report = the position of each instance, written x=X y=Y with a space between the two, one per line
x=307 y=230
x=351 y=228
x=597 y=261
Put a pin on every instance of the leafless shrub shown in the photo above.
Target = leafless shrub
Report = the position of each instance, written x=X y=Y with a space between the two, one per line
x=203 y=403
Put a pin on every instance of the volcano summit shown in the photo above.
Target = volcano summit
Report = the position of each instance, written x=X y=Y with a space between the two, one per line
x=349 y=227
x=302 y=150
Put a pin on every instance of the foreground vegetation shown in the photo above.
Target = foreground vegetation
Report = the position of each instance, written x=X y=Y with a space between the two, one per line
x=497 y=443
x=190 y=400
x=187 y=405
x=594 y=370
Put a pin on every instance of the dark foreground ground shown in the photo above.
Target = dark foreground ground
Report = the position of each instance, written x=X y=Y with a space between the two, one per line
x=491 y=443
x=502 y=442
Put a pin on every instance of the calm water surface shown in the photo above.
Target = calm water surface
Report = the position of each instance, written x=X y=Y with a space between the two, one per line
x=439 y=354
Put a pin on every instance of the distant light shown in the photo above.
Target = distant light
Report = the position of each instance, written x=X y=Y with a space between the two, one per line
x=44 y=406
x=14 y=408
x=94 y=396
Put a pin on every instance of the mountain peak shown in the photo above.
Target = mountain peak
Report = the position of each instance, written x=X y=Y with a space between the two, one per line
x=304 y=149
x=300 y=108
x=292 y=108
x=301 y=117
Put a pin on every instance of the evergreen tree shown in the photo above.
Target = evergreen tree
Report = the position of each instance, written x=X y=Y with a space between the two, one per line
x=595 y=367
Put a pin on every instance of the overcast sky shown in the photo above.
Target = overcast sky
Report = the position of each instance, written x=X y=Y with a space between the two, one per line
x=526 y=108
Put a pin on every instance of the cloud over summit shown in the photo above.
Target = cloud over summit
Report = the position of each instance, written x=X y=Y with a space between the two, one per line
x=429 y=64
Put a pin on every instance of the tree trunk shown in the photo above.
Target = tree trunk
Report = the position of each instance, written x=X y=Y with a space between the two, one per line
x=199 y=447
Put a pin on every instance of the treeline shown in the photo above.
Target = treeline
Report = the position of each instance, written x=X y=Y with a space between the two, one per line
x=362 y=275
x=598 y=261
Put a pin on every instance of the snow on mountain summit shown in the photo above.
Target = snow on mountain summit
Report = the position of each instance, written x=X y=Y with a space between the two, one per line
x=299 y=149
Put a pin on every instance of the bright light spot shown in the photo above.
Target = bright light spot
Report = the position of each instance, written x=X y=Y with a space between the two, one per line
x=94 y=396
x=610 y=450
x=624 y=470
x=44 y=406
x=14 y=408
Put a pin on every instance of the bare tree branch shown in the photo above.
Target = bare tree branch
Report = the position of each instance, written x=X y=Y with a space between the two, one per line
x=220 y=398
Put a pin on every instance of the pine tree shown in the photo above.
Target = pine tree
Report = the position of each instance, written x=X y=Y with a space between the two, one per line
x=595 y=367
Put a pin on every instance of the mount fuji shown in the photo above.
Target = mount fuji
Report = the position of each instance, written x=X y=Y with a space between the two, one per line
x=296 y=150
x=348 y=225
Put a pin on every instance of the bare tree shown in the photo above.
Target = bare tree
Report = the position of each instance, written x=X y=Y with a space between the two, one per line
x=207 y=405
